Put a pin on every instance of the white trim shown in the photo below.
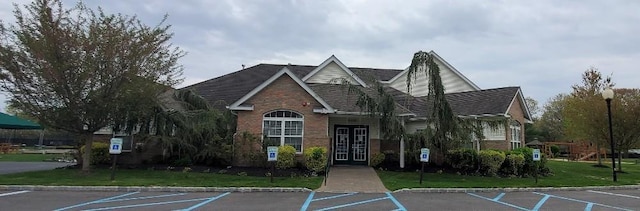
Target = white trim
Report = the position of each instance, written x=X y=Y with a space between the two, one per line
x=467 y=116
x=323 y=111
x=523 y=104
x=238 y=104
x=283 y=121
x=333 y=58
x=446 y=64
x=241 y=108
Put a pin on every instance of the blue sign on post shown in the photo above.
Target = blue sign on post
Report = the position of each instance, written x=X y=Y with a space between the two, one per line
x=536 y=155
x=272 y=153
x=116 y=146
x=424 y=155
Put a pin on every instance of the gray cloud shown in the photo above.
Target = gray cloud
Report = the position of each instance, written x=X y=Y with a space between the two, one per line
x=542 y=46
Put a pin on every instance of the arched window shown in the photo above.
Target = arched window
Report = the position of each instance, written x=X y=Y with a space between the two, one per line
x=283 y=128
x=515 y=135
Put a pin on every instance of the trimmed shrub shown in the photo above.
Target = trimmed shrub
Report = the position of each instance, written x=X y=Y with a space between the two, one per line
x=315 y=159
x=99 y=153
x=490 y=162
x=463 y=160
x=185 y=161
x=529 y=167
x=286 y=157
x=512 y=165
x=377 y=159
x=391 y=160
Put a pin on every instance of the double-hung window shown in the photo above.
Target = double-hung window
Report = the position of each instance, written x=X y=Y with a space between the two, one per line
x=515 y=135
x=284 y=128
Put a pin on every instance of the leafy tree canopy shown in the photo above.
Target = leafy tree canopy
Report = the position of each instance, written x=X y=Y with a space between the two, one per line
x=77 y=69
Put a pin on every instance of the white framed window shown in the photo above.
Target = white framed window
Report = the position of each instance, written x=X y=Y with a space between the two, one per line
x=284 y=127
x=515 y=135
x=493 y=133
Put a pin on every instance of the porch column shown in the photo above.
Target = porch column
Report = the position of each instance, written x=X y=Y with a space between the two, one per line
x=402 y=146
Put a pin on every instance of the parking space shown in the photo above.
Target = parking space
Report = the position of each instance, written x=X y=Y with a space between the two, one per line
x=351 y=201
x=93 y=200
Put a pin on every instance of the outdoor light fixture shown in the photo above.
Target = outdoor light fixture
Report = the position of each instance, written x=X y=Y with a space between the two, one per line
x=607 y=94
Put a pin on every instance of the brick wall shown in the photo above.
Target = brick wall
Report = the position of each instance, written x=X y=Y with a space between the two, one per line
x=285 y=94
x=517 y=113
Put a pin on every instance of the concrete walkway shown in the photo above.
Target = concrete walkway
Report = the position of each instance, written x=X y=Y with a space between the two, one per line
x=361 y=179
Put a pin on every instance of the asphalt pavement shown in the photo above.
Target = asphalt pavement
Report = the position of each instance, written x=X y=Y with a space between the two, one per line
x=526 y=200
x=16 y=167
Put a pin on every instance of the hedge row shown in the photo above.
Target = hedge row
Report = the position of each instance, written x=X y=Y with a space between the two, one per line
x=515 y=163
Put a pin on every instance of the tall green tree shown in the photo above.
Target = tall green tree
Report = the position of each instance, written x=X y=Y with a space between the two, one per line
x=551 y=124
x=73 y=69
x=625 y=109
x=585 y=112
x=534 y=109
x=445 y=130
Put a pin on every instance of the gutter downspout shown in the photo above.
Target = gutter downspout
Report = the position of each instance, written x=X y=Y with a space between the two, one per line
x=402 y=146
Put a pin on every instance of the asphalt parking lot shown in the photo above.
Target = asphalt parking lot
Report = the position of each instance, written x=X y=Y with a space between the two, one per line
x=552 y=200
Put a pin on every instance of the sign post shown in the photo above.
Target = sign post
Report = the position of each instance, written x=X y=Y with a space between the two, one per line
x=536 y=159
x=115 y=148
x=272 y=157
x=424 y=158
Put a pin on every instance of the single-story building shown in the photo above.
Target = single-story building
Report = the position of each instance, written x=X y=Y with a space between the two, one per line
x=305 y=106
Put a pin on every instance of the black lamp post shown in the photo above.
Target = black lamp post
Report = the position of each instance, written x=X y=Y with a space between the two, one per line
x=607 y=94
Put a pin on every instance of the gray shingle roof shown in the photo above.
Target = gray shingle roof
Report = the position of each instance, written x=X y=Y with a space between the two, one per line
x=488 y=101
x=225 y=90
x=483 y=102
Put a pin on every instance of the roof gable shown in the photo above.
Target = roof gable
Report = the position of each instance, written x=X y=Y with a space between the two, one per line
x=331 y=69
x=452 y=80
x=520 y=99
x=284 y=71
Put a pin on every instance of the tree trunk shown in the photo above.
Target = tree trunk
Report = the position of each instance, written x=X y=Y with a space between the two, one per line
x=86 y=157
x=619 y=160
x=598 y=154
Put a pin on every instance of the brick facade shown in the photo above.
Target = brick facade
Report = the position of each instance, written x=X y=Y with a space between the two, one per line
x=284 y=94
x=517 y=113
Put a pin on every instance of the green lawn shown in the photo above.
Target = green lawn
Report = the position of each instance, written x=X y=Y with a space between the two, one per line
x=128 y=177
x=565 y=174
x=28 y=157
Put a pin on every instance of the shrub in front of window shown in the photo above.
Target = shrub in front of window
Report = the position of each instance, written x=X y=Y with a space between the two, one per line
x=377 y=159
x=99 y=153
x=286 y=157
x=490 y=162
x=464 y=161
x=315 y=159
x=512 y=165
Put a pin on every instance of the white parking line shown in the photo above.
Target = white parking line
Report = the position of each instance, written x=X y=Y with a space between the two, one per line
x=14 y=193
x=614 y=194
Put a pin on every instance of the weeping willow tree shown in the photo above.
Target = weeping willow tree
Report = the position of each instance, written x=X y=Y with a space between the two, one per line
x=379 y=103
x=445 y=130
x=185 y=126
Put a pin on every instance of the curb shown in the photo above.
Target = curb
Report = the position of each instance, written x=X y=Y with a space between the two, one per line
x=149 y=189
x=533 y=189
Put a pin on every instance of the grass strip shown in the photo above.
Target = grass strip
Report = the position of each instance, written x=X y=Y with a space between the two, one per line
x=565 y=174
x=135 y=177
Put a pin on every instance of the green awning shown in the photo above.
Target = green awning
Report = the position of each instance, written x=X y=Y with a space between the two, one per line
x=12 y=122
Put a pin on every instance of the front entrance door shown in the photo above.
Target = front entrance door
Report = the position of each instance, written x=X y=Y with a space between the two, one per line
x=351 y=144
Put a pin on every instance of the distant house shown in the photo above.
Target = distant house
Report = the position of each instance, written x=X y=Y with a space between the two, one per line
x=303 y=106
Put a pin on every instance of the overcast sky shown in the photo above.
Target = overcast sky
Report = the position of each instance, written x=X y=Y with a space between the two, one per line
x=541 y=46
